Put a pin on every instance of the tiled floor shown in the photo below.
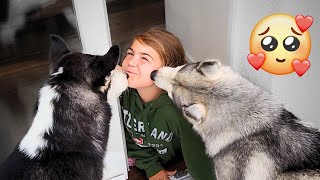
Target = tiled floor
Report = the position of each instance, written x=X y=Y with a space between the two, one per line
x=24 y=67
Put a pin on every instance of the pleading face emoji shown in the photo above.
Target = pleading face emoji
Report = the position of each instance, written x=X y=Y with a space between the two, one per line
x=280 y=44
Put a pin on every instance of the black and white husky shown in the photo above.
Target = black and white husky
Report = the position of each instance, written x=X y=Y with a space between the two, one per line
x=69 y=133
x=247 y=132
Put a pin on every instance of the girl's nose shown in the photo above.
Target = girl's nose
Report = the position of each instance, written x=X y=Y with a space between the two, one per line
x=133 y=62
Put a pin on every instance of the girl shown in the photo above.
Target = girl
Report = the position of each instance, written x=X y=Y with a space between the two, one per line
x=156 y=131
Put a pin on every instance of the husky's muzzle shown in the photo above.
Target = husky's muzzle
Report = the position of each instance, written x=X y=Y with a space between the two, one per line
x=153 y=74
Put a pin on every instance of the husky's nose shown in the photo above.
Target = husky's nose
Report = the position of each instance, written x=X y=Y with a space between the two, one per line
x=153 y=74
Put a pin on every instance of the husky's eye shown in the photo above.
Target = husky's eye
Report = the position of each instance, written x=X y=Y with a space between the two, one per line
x=175 y=82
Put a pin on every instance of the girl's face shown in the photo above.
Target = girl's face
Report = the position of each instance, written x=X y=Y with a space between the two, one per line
x=139 y=62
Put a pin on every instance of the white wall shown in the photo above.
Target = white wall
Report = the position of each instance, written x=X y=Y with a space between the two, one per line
x=221 y=29
x=201 y=26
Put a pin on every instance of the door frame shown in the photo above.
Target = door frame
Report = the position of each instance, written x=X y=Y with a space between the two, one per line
x=93 y=26
x=95 y=37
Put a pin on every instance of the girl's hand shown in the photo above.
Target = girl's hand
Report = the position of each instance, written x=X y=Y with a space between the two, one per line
x=163 y=175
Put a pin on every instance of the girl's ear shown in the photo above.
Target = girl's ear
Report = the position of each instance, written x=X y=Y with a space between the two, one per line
x=58 y=48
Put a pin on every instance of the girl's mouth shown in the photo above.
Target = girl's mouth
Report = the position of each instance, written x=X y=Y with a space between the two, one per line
x=131 y=73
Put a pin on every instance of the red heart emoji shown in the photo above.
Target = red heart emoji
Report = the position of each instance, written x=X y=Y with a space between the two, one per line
x=300 y=66
x=256 y=60
x=304 y=22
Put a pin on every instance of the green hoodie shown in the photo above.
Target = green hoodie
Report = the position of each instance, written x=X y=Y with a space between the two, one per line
x=157 y=132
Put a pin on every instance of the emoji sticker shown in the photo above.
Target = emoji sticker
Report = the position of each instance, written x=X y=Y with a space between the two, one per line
x=280 y=44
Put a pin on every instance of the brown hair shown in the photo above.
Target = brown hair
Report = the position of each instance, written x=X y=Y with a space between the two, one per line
x=167 y=45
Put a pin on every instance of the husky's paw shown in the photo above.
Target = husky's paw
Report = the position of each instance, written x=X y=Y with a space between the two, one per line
x=197 y=112
x=210 y=68
x=116 y=83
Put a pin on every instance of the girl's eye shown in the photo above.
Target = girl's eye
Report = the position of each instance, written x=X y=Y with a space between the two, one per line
x=144 y=58
x=130 y=53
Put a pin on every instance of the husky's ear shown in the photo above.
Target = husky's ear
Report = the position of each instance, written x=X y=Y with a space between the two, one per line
x=195 y=111
x=210 y=68
x=58 y=48
x=112 y=57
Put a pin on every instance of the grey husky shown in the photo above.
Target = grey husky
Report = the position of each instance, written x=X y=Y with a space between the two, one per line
x=246 y=130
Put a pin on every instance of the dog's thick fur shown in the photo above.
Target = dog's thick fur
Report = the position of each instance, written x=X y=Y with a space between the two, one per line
x=69 y=133
x=247 y=132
